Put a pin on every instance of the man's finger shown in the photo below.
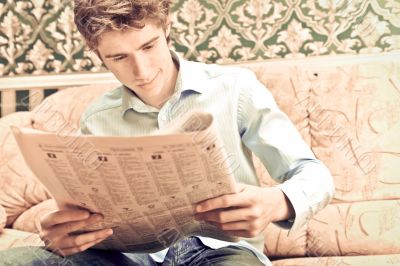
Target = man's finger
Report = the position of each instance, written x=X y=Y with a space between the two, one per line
x=84 y=238
x=74 y=250
x=234 y=226
x=69 y=227
x=63 y=216
x=229 y=215
x=240 y=187
x=225 y=201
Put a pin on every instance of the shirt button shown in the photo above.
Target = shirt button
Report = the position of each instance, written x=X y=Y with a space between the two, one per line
x=163 y=118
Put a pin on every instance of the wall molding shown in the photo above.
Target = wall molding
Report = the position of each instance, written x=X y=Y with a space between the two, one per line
x=63 y=80
x=55 y=81
x=45 y=40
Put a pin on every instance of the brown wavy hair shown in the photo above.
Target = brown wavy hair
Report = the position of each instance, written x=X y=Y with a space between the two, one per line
x=93 y=17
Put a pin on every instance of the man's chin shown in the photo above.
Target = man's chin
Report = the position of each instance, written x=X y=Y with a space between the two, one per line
x=146 y=91
x=132 y=89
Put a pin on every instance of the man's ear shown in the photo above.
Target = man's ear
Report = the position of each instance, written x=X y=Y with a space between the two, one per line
x=167 y=28
x=167 y=31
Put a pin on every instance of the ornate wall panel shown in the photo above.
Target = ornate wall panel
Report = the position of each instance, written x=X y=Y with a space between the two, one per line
x=38 y=36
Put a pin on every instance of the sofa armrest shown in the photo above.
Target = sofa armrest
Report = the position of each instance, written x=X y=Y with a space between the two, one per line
x=18 y=185
x=29 y=220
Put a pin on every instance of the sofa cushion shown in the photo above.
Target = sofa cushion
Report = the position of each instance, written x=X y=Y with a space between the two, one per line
x=355 y=125
x=279 y=244
x=359 y=228
x=381 y=260
x=19 y=187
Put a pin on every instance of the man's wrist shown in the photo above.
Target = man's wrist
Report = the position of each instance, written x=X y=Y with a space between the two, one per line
x=284 y=209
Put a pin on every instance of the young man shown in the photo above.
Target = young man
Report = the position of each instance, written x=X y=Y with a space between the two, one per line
x=131 y=38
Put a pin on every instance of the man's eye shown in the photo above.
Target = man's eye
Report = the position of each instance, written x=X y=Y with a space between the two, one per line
x=148 y=47
x=119 y=58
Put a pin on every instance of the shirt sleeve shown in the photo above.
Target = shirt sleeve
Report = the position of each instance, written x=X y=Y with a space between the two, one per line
x=272 y=137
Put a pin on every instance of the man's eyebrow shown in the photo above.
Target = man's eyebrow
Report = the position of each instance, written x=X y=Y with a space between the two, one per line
x=143 y=45
x=148 y=42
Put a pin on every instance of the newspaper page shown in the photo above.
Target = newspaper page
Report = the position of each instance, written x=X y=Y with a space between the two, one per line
x=145 y=187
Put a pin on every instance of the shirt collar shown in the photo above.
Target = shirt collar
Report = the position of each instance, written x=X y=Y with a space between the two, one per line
x=188 y=80
x=191 y=76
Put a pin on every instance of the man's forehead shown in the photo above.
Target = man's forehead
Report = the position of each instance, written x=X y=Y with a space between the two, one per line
x=130 y=39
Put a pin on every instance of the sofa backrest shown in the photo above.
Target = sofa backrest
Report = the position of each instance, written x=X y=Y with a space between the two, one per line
x=355 y=127
x=346 y=108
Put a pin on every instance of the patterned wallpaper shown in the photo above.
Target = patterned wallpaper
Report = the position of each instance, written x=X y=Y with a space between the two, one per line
x=39 y=37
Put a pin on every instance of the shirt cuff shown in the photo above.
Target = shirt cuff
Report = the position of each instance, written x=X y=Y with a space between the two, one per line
x=299 y=201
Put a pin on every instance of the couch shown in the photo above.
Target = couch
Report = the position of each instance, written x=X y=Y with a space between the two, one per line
x=347 y=109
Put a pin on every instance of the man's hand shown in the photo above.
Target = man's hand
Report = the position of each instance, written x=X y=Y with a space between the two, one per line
x=247 y=213
x=58 y=229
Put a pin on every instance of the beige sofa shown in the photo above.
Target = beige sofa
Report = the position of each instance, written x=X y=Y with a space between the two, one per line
x=347 y=109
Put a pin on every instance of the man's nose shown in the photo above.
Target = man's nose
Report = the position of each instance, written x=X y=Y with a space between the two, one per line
x=140 y=71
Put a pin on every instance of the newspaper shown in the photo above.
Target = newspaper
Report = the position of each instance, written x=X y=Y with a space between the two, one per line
x=146 y=187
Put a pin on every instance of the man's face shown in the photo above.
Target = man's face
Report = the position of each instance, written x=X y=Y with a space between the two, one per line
x=140 y=59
